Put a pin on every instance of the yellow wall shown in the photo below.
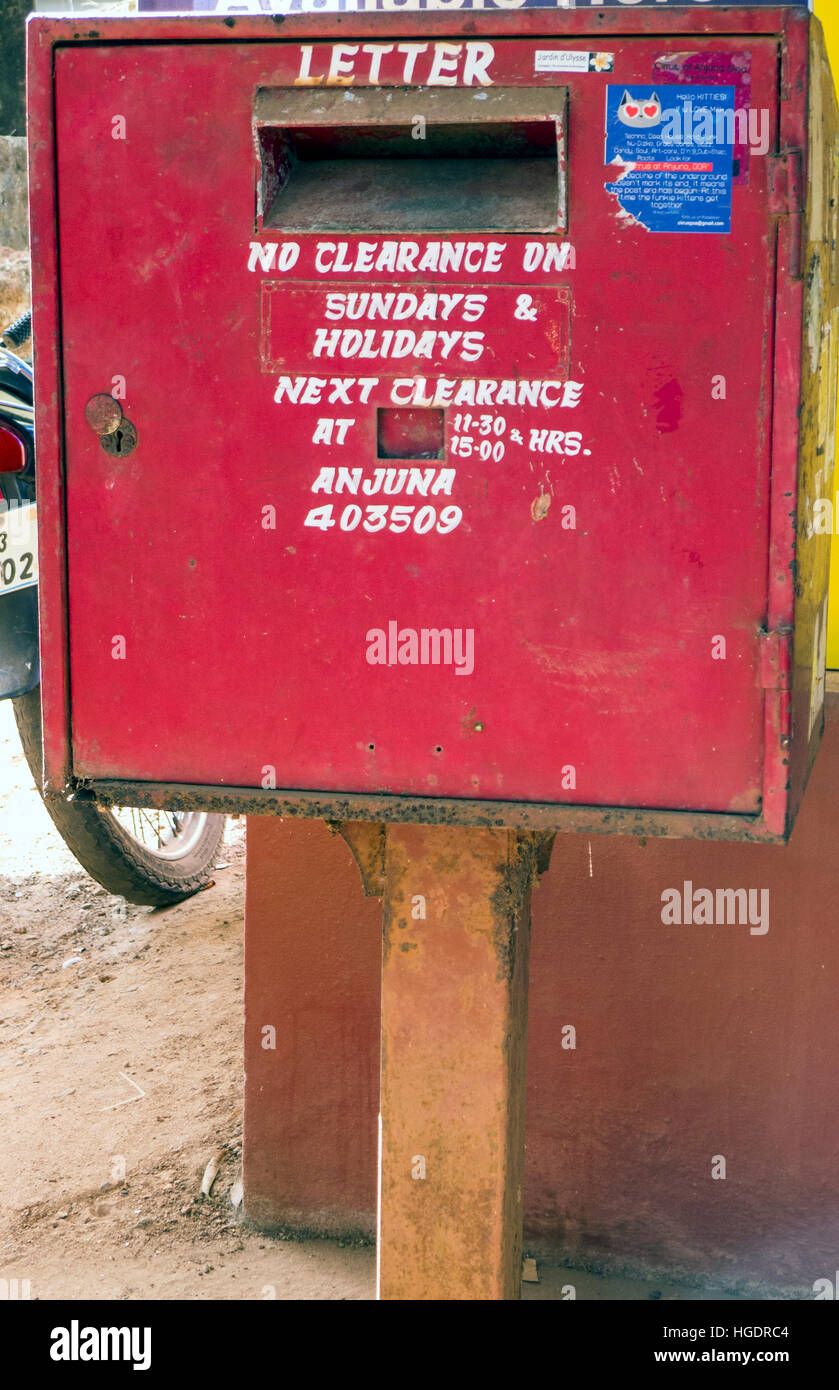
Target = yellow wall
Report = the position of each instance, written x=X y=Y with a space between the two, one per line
x=828 y=13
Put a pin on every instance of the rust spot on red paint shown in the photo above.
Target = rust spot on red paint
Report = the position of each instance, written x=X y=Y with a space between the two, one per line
x=510 y=899
x=471 y=724
x=103 y=413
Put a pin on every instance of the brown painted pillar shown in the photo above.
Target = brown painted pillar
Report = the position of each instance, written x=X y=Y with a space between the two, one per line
x=312 y=965
x=454 y=1036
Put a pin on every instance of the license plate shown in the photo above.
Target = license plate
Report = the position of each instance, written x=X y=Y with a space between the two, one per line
x=18 y=548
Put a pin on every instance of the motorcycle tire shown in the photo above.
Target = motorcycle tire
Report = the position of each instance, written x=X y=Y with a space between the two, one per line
x=118 y=861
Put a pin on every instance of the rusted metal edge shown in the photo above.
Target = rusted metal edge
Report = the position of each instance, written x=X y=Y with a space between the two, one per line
x=533 y=23
x=787 y=194
x=363 y=806
x=784 y=419
x=368 y=843
x=367 y=840
x=49 y=413
x=776 y=658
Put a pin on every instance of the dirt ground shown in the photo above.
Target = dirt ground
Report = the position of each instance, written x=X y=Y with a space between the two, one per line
x=101 y=1002
x=14 y=284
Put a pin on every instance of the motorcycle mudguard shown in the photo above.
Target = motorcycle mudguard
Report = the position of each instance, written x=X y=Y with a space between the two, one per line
x=20 y=664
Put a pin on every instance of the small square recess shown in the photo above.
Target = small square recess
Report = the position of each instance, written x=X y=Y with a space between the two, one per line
x=410 y=434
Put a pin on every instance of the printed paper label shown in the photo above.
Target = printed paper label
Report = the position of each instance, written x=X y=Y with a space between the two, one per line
x=571 y=60
x=672 y=152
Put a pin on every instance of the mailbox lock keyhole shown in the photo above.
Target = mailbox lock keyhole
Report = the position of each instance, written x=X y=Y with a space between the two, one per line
x=117 y=435
x=121 y=441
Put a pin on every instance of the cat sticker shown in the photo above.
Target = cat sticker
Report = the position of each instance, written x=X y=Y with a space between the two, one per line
x=664 y=177
x=640 y=113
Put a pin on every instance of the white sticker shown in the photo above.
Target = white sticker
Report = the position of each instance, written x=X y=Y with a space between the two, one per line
x=18 y=546
x=572 y=60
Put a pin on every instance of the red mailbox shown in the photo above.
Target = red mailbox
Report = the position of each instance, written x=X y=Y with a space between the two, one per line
x=433 y=410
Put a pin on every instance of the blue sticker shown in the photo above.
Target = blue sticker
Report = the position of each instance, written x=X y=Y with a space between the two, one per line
x=677 y=144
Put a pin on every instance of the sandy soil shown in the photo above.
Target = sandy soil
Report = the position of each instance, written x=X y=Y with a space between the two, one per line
x=101 y=1001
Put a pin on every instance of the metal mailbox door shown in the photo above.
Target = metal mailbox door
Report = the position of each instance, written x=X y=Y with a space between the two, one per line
x=450 y=498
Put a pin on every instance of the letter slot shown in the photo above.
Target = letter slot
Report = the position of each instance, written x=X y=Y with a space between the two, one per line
x=411 y=159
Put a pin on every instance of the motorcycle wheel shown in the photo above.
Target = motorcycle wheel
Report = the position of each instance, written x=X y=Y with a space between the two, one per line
x=151 y=858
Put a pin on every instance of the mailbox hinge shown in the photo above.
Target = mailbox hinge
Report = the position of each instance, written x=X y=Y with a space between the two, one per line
x=786 y=183
x=775 y=658
x=787 y=201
